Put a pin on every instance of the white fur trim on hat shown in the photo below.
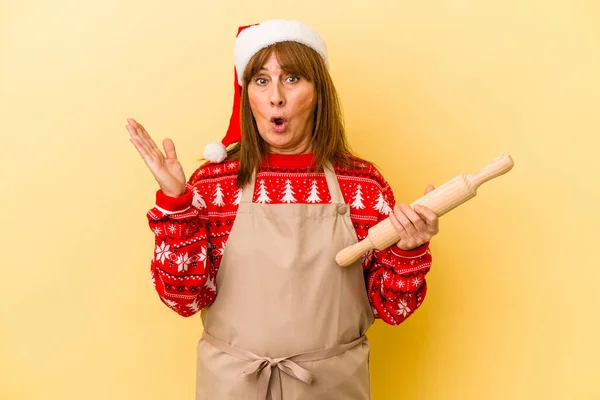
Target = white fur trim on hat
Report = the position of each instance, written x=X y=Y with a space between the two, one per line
x=215 y=152
x=257 y=37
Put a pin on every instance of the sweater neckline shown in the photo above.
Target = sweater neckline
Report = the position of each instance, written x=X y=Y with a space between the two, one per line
x=288 y=160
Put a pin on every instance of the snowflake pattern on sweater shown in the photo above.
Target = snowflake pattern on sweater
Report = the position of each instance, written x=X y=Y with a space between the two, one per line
x=191 y=232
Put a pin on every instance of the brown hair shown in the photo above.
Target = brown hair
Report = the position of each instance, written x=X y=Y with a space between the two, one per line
x=328 y=141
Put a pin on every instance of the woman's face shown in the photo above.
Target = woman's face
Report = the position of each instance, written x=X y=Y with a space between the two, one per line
x=283 y=106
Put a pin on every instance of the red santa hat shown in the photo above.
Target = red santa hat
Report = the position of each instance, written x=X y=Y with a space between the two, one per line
x=250 y=39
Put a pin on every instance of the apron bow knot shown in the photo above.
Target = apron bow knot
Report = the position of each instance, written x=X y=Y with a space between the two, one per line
x=264 y=366
x=269 y=369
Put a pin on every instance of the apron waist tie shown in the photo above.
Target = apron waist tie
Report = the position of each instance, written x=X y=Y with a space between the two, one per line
x=269 y=369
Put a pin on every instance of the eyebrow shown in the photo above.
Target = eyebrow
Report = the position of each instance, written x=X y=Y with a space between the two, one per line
x=284 y=70
x=264 y=69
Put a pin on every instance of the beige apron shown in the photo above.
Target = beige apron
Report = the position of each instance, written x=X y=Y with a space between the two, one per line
x=288 y=323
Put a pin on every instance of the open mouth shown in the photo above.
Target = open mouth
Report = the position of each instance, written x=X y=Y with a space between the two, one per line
x=279 y=124
x=278 y=121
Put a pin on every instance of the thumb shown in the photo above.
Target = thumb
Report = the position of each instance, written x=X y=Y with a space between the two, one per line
x=169 y=147
x=429 y=188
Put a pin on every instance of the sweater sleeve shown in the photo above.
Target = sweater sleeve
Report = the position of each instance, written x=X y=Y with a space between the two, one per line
x=395 y=278
x=181 y=269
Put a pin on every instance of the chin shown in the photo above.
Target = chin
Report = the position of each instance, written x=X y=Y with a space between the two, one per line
x=277 y=146
x=278 y=139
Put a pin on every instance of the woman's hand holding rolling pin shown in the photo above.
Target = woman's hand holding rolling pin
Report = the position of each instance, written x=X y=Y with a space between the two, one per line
x=166 y=170
x=415 y=226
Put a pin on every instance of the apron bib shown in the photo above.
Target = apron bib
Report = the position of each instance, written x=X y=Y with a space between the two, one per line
x=288 y=323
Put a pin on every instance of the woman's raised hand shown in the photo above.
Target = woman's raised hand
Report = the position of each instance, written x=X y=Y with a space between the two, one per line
x=166 y=170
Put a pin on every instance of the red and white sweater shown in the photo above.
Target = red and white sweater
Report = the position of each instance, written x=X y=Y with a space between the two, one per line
x=192 y=230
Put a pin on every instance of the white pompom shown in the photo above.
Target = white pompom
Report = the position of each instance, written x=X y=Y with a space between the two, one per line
x=215 y=152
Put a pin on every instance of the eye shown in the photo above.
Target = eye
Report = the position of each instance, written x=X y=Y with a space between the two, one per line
x=293 y=79
x=260 y=81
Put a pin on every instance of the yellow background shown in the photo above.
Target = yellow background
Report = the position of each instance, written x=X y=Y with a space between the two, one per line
x=429 y=90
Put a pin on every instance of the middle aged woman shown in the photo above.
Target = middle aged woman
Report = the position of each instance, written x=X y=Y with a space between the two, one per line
x=250 y=239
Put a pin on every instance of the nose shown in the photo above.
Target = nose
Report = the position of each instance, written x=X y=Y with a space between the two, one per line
x=277 y=96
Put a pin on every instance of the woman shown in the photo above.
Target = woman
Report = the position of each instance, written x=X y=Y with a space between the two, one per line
x=250 y=240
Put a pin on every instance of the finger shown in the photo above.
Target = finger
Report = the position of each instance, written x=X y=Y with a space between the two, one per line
x=145 y=137
x=131 y=129
x=398 y=226
x=140 y=148
x=427 y=214
x=169 y=147
x=143 y=134
x=135 y=131
x=429 y=188
x=143 y=144
x=136 y=143
x=406 y=241
x=417 y=222
x=152 y=157
x=133 y=126
x=407 y=224
x=131 y=122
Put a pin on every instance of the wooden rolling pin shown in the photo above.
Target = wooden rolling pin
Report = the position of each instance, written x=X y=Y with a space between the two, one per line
x=440 y=200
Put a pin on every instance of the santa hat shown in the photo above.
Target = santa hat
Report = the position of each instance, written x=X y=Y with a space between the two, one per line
x=250 y=39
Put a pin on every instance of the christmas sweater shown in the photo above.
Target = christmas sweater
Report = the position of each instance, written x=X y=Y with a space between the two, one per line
x=191 y=232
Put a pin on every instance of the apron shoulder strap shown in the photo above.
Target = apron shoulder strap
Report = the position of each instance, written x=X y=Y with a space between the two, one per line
x=248 y=190
x=333 y=184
